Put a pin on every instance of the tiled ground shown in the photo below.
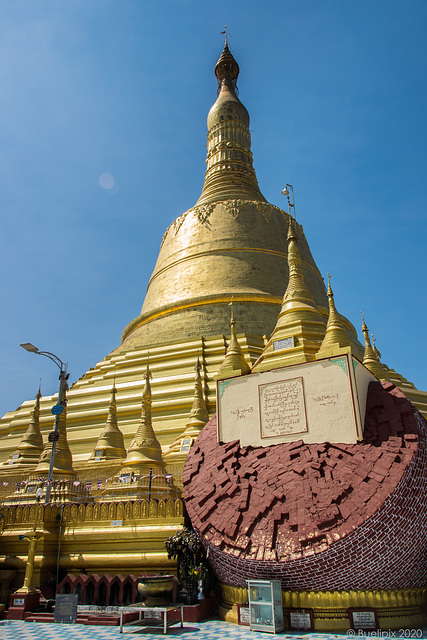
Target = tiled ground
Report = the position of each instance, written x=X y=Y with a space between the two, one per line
x=212 y=630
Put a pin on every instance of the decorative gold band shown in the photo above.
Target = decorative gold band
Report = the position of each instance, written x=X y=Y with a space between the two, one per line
x=396 y=608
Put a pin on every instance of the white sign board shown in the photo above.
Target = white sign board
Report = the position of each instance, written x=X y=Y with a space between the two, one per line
x=320 y=401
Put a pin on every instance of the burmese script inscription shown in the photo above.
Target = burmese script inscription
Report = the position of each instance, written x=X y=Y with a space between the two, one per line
x=282 y=408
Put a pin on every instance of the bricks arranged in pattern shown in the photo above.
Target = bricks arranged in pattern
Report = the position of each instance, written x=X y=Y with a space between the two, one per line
x=327 y=516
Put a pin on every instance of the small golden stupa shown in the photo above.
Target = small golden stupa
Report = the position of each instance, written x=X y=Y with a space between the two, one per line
x=336 y=337
x=300 y=327
x=234 y=362
x=143 y=471
x=197 y=419
x=370 y=357
x=110 y=443
x=30 y=448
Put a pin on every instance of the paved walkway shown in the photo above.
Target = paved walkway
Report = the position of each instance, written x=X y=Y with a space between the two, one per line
x=211 y=630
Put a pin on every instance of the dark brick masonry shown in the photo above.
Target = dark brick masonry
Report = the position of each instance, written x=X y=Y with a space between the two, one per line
x=318 y=516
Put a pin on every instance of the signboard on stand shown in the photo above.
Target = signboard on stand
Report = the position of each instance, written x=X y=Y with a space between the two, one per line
x=363 y=619
x=66 y=608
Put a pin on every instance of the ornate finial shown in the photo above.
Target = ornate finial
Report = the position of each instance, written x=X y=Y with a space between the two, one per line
x=365 y=332
x=199 y=414
x=370 y=358
x=147 y=387
x=148 y=374
x=227 y=69
x=224 y=33
x=198 y=365
x=297 y=288
x=110 y=444
x=374 y=347
x=196 y=420
x=31 y=445
x=234 y=363
x=232 y=320
x=230 y=174
x=291 y=230
x=145 y=449
x=336 y=337
x=300 y=325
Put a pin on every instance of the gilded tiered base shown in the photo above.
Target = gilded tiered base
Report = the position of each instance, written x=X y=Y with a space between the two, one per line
x=126 y=537
x=396 y=608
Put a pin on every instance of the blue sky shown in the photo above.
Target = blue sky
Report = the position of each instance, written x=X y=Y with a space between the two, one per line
x=336 y=91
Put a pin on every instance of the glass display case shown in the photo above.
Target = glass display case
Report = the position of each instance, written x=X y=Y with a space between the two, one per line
x=265 y=605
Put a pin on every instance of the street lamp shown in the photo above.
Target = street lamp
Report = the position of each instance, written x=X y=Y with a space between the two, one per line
x=288 y=193
x=56 y=410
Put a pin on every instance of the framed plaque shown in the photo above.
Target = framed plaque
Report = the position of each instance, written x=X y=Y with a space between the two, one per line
x=365 y=619
x=66 y=608
x=301 y=619
x=285 y=343
x=282 y=408
x=243 y=614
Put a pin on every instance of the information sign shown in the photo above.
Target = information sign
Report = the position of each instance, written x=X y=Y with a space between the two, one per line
x=66 y=608
x=57 y=409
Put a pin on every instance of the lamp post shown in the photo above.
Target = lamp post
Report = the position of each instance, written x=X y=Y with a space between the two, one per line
x=287 y=193
x=56 y=410
x=32 y=540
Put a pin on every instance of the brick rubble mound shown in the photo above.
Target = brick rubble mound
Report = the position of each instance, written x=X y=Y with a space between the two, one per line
x=318 y=516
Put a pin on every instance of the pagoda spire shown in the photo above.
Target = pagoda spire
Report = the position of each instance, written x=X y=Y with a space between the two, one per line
x=31 y=446
x=370 y=358
x=145 y=449
x=232 y=234
x=230 y=174
x=300 y=327
x=234 y=363
x=143 y=473
x=63 y=474
x=336 y=337
x=374 y=348
x=197 y=419
x=199 y=414
x=110 y=443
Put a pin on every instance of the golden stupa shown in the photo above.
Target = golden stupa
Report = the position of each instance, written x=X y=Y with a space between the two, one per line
x=231 y=246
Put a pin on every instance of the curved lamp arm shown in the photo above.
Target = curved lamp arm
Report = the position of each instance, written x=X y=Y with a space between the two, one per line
x=32 y=349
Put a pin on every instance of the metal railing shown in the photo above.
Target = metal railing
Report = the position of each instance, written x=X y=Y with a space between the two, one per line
x=91 y=487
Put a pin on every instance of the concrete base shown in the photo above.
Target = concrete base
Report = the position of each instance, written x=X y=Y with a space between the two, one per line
x=20 y=603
